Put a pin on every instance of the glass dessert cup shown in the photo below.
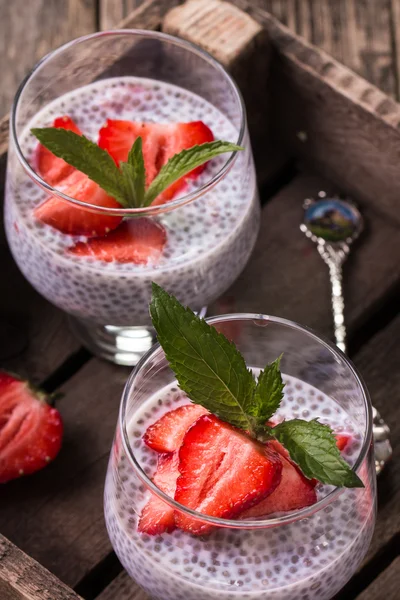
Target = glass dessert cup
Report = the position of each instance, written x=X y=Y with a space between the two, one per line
x=309 y=553
x=210 y=226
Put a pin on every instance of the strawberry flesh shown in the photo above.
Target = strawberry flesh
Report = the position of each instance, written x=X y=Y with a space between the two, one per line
x=294 y=492
x=74 y=220
x=222 y=472
x=342 y=440
x=166 y=434
x=139 y=241
x=51 y=168
x=157 y=516
x=30 y=430
x=160 y=142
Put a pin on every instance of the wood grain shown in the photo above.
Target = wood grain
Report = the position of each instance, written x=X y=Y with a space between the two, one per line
x=344 y=127
x=112 y=12
x=387 y=585
x=28 y=30
x=358 y=33
x=286 y=276
x=21 y=578
x=123 y=588
x=56 y=516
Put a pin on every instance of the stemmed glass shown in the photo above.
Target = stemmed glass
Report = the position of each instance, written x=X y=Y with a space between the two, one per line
x=309 y=553
x=211 y=227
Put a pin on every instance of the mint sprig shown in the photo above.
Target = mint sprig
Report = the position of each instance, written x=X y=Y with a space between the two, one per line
x=208 y=367
x=213 y=373
x=126 y=183
x=312 y=446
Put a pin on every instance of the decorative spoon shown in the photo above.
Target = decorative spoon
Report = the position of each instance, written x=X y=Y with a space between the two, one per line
x=333 y=224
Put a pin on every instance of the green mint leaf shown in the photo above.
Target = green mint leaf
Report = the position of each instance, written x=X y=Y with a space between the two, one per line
x=86 y=156
x=268 y=393
x=134 y=174
x=312 y=446
x=181 y=164
x=209 y=368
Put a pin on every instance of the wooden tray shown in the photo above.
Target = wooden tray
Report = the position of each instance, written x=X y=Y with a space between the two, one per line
x=315 y=125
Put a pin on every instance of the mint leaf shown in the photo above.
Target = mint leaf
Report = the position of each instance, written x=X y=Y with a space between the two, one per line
x=181 y=164
x=268 y=393
x=312 y=446
x=134 y=174
x=209 y=368
x=86 y=156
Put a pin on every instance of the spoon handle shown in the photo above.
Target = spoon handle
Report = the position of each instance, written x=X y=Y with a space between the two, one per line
x=334 y=258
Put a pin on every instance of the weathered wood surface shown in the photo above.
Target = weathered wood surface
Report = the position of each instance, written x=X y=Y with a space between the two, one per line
x=28 y=30
x=386 y=586
x=21 y=578
x=57 y=515
x=362 y=34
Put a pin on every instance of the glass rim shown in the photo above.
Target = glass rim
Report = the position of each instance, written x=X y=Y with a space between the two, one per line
x=148 y=210
x=291 y=517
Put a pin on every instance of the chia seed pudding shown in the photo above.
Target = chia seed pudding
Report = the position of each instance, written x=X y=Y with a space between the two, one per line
x=304 y=559
x=208 y=240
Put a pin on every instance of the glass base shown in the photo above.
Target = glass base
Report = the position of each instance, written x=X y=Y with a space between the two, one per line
x=120 y=345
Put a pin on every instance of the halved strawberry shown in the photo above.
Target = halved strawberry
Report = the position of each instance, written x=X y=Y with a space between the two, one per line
x=222 y=472
x=294 y=492
x=72 y=219
x=166 y=434
x=30 y=430
x=157 y=516
x=139 y=241
x=51 y=168
x=160 y=142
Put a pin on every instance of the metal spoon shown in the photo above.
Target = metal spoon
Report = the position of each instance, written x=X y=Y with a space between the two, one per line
x=333 y=224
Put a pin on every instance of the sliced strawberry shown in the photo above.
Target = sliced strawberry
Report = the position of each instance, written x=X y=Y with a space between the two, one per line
x=30 y=430
x=166 y=434
x=342 y=440
x=51 y=168
x=139 y=241
x=69 y=218
x=157 y=516
x=294 y=492
x=222 y=472
x=178 y=137
x=160 y=142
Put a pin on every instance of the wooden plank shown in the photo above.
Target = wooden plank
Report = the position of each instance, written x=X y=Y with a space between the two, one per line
x=358 y=33
x=387 y=585
x=112 y=12
x=28 y=30
x=343 y=126
x=378 y=363
x=57 y=515
x=148 y=15
x=287 y=277
x=241 y=44
x=21 y=578
x=123 y=588
x=34 y=335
